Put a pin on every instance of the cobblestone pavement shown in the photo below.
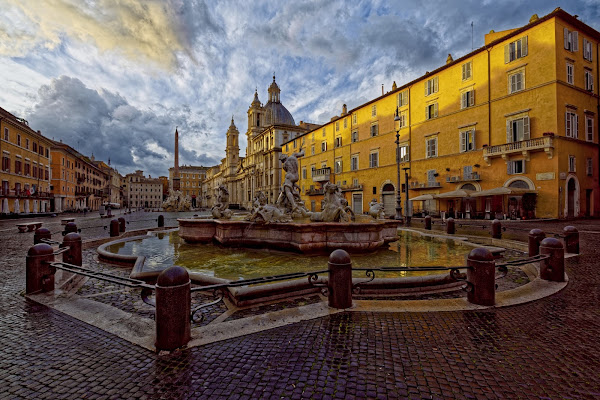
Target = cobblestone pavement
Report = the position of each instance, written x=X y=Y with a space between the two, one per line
x=548 y=349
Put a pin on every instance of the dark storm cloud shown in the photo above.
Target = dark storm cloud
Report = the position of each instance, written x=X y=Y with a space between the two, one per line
x=104 y=124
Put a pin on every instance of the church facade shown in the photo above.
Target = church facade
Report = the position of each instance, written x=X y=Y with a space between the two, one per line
x=269 y=126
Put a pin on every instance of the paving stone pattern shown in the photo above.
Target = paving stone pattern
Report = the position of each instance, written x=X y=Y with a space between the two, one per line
x=548 y=349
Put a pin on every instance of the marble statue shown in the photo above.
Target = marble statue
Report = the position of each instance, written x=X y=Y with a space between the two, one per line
x=267 y=213
x=376 y=210
x=335 y=207
x=177 y=202
x=221 y=209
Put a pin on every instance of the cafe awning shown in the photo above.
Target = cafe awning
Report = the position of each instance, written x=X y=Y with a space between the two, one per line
x=499 y=191
x=422 y=197
x=460 y=193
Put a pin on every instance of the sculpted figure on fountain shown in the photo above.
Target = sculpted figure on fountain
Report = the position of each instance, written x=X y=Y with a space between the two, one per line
x=221 y=209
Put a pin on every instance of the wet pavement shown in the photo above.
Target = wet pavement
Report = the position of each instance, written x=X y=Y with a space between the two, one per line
x=548 y=349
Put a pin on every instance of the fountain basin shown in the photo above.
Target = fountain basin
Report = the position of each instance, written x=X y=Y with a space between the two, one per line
x=308 y=238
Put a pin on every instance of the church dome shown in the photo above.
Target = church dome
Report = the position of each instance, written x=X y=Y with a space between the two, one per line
x=277 y=114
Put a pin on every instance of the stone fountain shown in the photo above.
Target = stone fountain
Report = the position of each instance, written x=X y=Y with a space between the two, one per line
x=177 y=202
x=288 y=225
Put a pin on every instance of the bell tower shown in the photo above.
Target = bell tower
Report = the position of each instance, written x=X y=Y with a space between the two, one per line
x=233 y=147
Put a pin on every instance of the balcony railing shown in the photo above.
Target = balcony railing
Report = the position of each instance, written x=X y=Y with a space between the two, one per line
x=525 y=146
x=321 y=174
x=474 y=176
x=424 y=185
x=23 y=193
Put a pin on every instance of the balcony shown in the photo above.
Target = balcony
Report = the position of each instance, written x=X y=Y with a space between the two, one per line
x=312 y=191
x=321 y=174
x=351 y=188
x=474 y=176
x=524 y=147
x=426 y=185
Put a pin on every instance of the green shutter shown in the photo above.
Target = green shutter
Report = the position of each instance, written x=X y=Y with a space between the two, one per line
x=526 y=128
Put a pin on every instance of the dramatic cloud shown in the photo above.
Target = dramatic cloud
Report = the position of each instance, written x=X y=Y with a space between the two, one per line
x=116 y=76
x=105 y=125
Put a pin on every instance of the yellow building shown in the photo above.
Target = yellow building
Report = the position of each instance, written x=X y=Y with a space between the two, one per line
x=25 y=170
x=78 y=182
x=509 y=130
x=190 y=181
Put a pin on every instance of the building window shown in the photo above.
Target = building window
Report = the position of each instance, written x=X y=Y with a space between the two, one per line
x=467 y=140
x=467 y=99
x=571 y=40
x=516 y=81
x=589 y=128
x=515 y=50
x=432 y=150
x=589 y=81
x=403 y=154
x=515 y=167
x=295 y=144
x=589 y=167
x=572 y=164
x=587 y=50
x=374 y=130
x=34 y=147
x=467 y=172
x=18 y=140
x=337 y=126
x=354 y=136
x=18 y=167
x=324 y=132
x=431 y=111
x=570 y=73
x=345 y=123
x=571 y=125
x=337 y=166
x=312 y=150
x=354 y=162
x=402 y=98
x=287 y=147
x=354 y=118
x=5 y=163
x=373 y=110
x=27 y=170
x=517 y=130
x=402 y=122
x=27 y=143
x=338 y=141
x=467 y=72
x=374 y=159
x=431 y=86
x=323 y=146
x=304 y=173
x=431 y=177
x=6 y=134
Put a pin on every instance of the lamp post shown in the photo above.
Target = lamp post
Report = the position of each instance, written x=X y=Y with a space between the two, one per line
x=398 y=191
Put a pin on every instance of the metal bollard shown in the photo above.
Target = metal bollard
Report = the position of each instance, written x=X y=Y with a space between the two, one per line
x=450 y=226
x=553 y=268
x=70 y=227
x=496 y=229
x=39 y=276
x=428 y=222
x=114 y=228
x=340 y=279
x=121 y=224
x=173 y=308
x=161 y=221
x=73 y=255
x=535 y=238
x=571 y=235
x=482 y=276
x=41 y=233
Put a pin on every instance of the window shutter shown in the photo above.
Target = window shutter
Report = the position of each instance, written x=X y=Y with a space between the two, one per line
x=507 y=54
x=591 y=82
x=526 y=128
x=426 y=112
x=426 y=88
x=575 y=40
x=590 y=52
x=463 y=141
x=472 y=98
x=576 y=127
x=464 y=75
x=566 y=33
x=473 y=138
x=508 y=131
x=435 y=110
x=463 y=100
x=436 y=86
x=524 y=46
x=509 y=168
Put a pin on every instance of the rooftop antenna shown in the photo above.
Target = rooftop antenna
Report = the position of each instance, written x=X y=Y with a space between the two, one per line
x=471 y=35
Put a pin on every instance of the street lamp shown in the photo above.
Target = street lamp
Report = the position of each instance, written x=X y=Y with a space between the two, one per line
x=398 y=191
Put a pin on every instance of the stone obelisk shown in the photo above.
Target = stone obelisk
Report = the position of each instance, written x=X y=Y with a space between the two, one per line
x=176 y=183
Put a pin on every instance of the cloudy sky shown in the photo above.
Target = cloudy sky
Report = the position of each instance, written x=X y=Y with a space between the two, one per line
x=114 y=77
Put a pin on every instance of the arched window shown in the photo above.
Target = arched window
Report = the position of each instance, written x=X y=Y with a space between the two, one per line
x=468 y=186
x=519 y=184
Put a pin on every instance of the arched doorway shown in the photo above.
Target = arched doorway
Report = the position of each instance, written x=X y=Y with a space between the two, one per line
x=468 y=205
x=389 y=202
x=571 y=189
